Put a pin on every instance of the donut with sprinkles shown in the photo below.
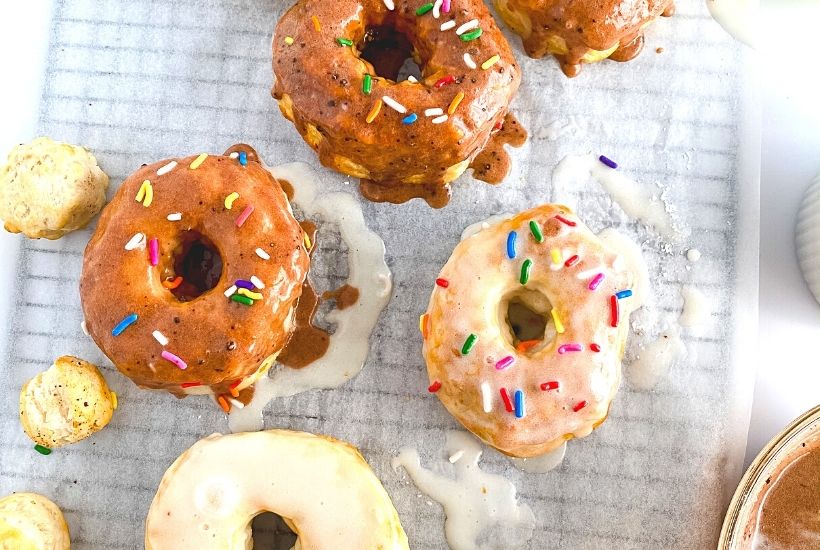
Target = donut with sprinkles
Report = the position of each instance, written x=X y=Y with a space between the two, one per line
x=189 y=281
x=336 y=66
x=525 y=330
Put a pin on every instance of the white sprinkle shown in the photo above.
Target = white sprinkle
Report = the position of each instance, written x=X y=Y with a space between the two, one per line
x=447 y=25
x=234 y=155
x=433 y=112
x=486 y=398
x=236 y=403
x=256 y=282
x=456 y=456
x=589 y=273
x=439 y=120
x=85 y=328
x=167 y=168
x=413 y=79
x=468 y=60
x=390 y=5
x=468 y=26
x=137 y=241
x=437 y=8
x=230 y=291
x=262 y=254
x=175 y=217
x=393 y=104
x=160 y=337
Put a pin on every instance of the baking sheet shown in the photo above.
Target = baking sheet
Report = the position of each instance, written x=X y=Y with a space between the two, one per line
x=137 y=81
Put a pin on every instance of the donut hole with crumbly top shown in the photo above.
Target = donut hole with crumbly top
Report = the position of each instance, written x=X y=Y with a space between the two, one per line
x=526 y=318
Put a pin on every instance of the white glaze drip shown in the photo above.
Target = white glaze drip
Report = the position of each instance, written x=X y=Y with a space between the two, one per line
x=475 y=502
x=696 y=307
x=541 y=464
x=737 y=17
x=655 y=359
x=693 y=255
x=368 y=272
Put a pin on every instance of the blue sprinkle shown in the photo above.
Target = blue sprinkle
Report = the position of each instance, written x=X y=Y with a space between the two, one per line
x=124 y=324
x=609 y=162
x=511 y=244
x=519 y=404
x=243 y=158
x=623 y=294
x=410 y=119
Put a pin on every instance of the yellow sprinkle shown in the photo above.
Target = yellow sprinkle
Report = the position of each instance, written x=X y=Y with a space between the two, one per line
x=490 y=62
x=230 y=198
x=455 y=103
x=556 y=256
x=559 y=326
x=316 y=24
x=141 y=192
x=289 y=40
x=146 y=193
x=114 y=401
x=374 y=112
x=423 y=326
x=308 y=244
x=251 y=295
x=198 y=161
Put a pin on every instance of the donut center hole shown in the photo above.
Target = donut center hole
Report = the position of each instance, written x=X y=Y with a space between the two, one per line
x=198 y=262
x=272 y=533
x=389 y=51
x=528 y=318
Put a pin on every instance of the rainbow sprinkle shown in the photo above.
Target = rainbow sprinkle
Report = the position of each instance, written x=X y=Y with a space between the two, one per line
x=609 y=162
x=179 y=363
x=525 y=271
x=445 y=6
x=623 y=294
x=572 y=260
x=223 y=402
x=564 y=220
x=160 y=337
x=230 y=291
x=434 y=387
x=115 y=402
x=511 y=238
x=344 y=41
x=393 y=104
x=614 y=311
x=566 y=348
x=153 y=251
x=367 y=84
x=595 y=347
x=536 y=231
x=486 y=397
x=490 y=62
x=289 y=40
x=410 y=119
x=257 y=282
x=440 y=119
x=138 y=240
x=472 y=35
x=424 y=325
x=468 y=344
x=145 y=195
x=190 y=384
x=444 y=81
x=504 y=362
x=198 y=161
x=455 y=103
x=508 y=406
x=229 y=200
x=443 y=283
x=578 y=406
x=242 y=283
x=551 y=385
x=374 y=111
x=262 y=254
x=316 y=25
x=425 y=8
x=389 y=5
x=468 y=26
x=167 y=168
x=124 y=324
x=520 y=409
x=45 y=451
x=171 y=284
x=559 y=326
x=243 y=217
x=437 y=8
x=596 y=281
x=243 y=158
x=436 y=111
x=556 y=256
x=306 y=240
x=469 y=61
x=242 y=299
x=174 y=217
x=447 y=25
x=250 y=294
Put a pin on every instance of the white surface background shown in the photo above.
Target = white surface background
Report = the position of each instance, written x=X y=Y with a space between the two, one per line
x=788 y=374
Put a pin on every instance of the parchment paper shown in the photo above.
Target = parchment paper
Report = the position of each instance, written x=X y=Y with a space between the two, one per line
x=141 y=80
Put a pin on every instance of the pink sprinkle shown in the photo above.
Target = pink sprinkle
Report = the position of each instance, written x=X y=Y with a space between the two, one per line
x=168 y=356
x=244 y=215
x=445 y=6
x=569 y=347
x=505 y=362
x=153 y=251
x=593 y=284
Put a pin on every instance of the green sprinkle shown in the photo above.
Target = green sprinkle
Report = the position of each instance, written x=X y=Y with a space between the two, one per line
x=536 y=231
x=367 y=84
x=472 y=35
x=344 y=42
x=425 y=9
x=42 y=450
x=468 y=344
x=242 y=299
x=525 y=271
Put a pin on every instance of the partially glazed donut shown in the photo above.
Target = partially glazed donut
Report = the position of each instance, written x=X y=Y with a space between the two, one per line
x=336 y=65
x=322 y=488
x=190 y=287
x=582 y=31
x=526 y=395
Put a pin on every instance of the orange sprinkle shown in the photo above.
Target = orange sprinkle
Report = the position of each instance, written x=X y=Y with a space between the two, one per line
x=233 y=389
x=455 y=103
x=316 y=24
x=374 y=112
x=224 y=404
x=526 y=345
x=171 y=284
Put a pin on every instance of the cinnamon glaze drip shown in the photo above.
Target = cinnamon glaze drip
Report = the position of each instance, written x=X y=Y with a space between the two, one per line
x=344 y=296
x=435 y=194
x=493 y=163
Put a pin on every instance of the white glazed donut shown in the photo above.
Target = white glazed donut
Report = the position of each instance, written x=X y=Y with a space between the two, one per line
x=526 y=399
x=29 y=521
x=321 y=487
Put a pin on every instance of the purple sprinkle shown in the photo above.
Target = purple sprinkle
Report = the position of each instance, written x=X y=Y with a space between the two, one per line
x=570 y=347
x=596 y=281
x=608 y=161
x=241 y=283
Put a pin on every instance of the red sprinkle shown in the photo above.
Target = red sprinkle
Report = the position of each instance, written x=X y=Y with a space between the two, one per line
x=443 y=283
x=546 y=386
x=579 y=405
x=595 y=347
x=572 y=261
x=506 y=398
x=190 y=384
x=444 y=81
x=498 y=125
x=614 y=311
x=562 y=219
x=434 y=387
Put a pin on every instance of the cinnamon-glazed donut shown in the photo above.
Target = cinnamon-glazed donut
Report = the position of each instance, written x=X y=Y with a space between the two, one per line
x=190 y=287
x=336 y=65
x=526 y=383
x=582 y=31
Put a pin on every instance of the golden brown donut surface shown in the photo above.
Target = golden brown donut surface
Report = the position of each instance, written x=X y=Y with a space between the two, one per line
x=222 y=342
x=449 y=115
x=582 y=31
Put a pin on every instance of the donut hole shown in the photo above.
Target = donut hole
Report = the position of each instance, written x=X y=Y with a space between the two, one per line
x=390 y=51
x=271 y=532
x=197 y=260
x=528 y=319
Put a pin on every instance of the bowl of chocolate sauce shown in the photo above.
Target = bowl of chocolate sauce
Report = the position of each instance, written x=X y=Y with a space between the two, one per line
x=777 y=504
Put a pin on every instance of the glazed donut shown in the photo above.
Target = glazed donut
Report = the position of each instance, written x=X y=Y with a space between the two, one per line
x=29 y=521
x=65 y=404
x=336 y=65
x=321 y=487
x=525 y=394
x=191 y=290
x=582 y=31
